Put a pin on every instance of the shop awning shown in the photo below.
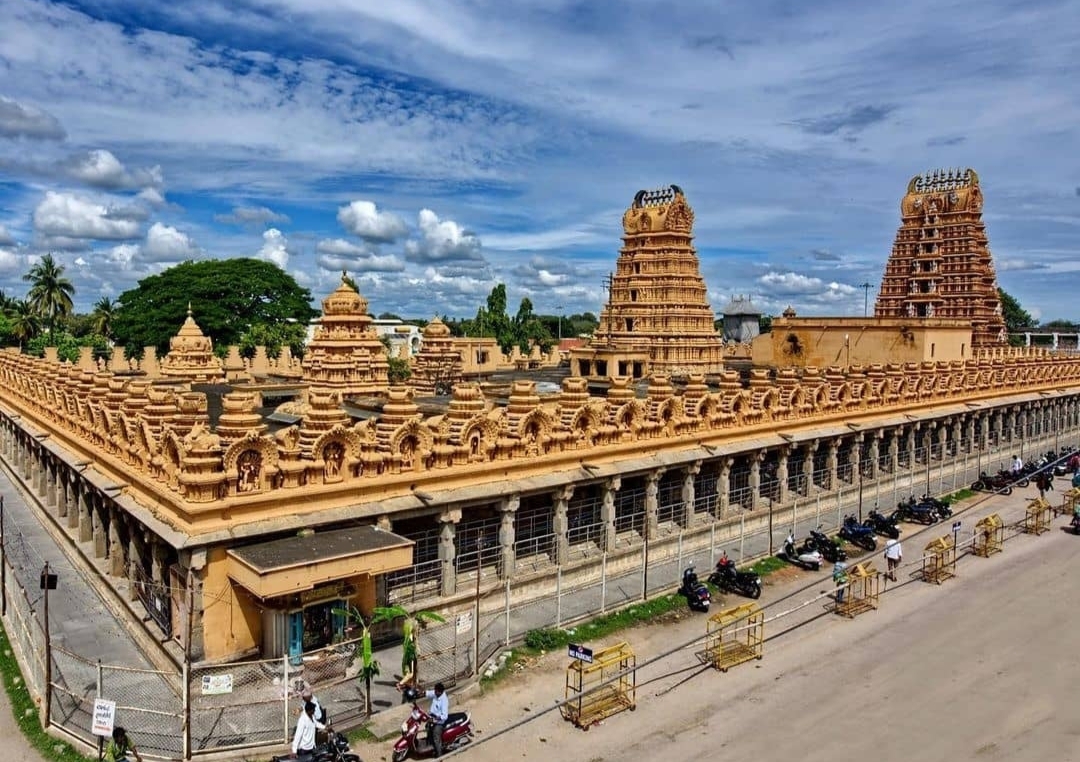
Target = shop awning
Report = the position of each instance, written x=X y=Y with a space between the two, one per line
x=293 y=564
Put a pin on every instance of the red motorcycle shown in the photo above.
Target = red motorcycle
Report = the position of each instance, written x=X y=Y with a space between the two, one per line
x=415 y=730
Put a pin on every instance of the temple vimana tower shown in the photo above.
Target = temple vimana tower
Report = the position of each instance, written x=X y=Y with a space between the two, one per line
x=940 y=264
x=657 y=319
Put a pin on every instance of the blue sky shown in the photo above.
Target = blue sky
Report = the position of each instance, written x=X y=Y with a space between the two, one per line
x=434 y=149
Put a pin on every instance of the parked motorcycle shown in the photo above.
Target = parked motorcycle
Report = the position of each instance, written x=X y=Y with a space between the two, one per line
x=917 y=511
x=824 y=545
x=1002 y=482
x=694 y=590
x=884 y=525
x=942 y=508
x=858 y=534
x=336 y=749
x=729 y=579
x=808 y=559
x=414 y=740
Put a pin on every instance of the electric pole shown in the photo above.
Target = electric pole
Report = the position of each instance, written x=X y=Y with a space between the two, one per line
x=866 y=296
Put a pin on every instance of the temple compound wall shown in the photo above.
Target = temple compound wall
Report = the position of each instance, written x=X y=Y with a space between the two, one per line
x=269 y=533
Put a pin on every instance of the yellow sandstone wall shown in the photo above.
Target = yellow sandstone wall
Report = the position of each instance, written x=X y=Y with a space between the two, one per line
x=232 y=620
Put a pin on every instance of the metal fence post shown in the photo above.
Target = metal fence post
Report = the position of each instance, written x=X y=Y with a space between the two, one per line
x=603 y=581
x=100 y=739
x=185 y=673
x=507 y=612
x=558 y=597
x=285 y=685
x=742 y=534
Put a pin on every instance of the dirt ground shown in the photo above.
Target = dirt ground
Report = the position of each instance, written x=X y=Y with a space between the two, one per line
x=16 y=747
x=982 y=668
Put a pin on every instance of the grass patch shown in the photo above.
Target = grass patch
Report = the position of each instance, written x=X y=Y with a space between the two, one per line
x=551 y=639
x=767 y=566
x=25 y=709
x=362 y=735
x=957 y=496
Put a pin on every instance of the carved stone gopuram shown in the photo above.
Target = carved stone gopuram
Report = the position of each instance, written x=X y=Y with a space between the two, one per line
x=940 y=266
x=191 y=355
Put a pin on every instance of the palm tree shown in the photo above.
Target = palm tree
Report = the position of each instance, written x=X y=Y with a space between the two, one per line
x=50 y=292
x=103 y=315
x=7 y=303
x=25 y=322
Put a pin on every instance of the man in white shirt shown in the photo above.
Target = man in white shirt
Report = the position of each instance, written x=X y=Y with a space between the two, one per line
x=440 y=710
x=303 y=741
x=893 y=557
x=1017 y=464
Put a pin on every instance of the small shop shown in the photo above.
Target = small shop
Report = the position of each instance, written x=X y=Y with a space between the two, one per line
x=302 y=582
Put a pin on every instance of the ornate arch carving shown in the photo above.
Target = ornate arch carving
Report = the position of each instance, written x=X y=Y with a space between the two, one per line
x=411 y=442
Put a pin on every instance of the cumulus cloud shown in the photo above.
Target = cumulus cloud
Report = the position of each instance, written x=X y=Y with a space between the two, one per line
x=152 y=196
x=824 y=255
x=165 y=243
x=441 y=241
x=6 y=239
x=62 y=215
x=17 y=120
x=275 y=248
x=9 y=260
x=101 y=169
x=251 y=215
x=339 y=254
x=364 y=220
x=796 y=284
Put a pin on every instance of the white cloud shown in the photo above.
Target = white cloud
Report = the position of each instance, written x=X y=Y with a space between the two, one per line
x=9 y=260
x=18 y=120
x=275 y=248
x=336 y=254
x=167 y=244
x=251 y=215
x=441 y=241
x=152 y=196
x=68 y=216
x=6 y=239
x=101 y=169
x=124 y=254
x=364 y=220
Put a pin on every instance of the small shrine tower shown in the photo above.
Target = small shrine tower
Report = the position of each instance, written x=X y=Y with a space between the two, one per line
x=438 y=366
x=940 y=264
x=658 y=318
x=191 y=355
x=345 y=354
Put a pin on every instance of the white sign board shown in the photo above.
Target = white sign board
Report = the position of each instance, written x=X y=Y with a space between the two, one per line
x=104 y=717
x=213 y=685
x=463 y=622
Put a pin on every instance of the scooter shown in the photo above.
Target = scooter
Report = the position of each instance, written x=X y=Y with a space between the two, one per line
x=807 y=559
x=696 y=593
x=414 y=740
x=823 y=544
x=918 y=512
x=858 y=534
x=336 y=749
x=728 y=578
x=884 y=525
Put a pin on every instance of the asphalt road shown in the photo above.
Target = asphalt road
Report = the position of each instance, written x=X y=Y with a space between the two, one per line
x=983 y=667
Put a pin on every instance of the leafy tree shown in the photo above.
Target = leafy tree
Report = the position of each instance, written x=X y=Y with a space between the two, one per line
x=765 y=323
x=410 y=628
x=389 y=316
x=399 y=370
x=227 y=296
x=7 y=303
x=273 y=337
x=1016 y=317
x=50 y=292
x=103 y=315
x=25 y=322
x=1059 y=325
x=68 y=347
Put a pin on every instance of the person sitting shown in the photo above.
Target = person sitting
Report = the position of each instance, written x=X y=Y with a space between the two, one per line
x=119 y=746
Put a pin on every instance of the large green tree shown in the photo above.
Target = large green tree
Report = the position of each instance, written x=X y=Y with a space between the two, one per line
x=103 y=315
x=25 y=322
x=1016 y=317
x=50 y=292
x=228 y=298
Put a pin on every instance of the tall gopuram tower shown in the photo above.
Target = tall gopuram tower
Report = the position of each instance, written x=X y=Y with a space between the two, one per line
x=657 y=319
x=345 y=353
x=940 y=264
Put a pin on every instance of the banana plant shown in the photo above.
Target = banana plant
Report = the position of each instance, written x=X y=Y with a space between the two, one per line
x=369 y=666
x=409 y=630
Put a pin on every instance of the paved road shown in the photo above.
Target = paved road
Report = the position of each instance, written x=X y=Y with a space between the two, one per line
x=980 y=668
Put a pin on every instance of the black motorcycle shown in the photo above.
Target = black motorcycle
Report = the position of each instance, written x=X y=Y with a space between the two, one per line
x=858 y=534
x=729 y=579
x=824 y=545
x=942 y=508
x=694 y=590
x=884 y=525
x=916 y=511
x=336 y=749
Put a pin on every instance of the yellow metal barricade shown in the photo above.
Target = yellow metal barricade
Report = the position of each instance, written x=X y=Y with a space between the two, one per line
x=939 y=560
x=735 y=635
x=594 y=698
x=1068 y=502
x=1037 y=516
x=989 y=536
x=862 y=591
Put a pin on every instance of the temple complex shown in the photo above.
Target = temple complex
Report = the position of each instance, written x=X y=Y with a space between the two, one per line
x=438 y=365
x=345 y=354
x=940 y=266
x=658 y=318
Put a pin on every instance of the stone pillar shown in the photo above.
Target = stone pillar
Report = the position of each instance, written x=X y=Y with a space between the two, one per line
x=689 y=493
x=894 y=450
x=52 y=477
x=507 y=553
x=607 y=513
x=560 y=525
x=999 y=425
x=856 y=457
x=158 y=559
x=942 y=438
x=116 y=548
x=86 y=514
x=98 y=513
x=652 y=489
x=65 y=494
x=723 y=487
x=37 y=472
x=984 y=432
x=448 y=521
x=782 y=475
x=958 y=436
x=874 y=454
x=136 y=569
x=809 y=448
x=969 y=430
x=832 y=461
x=754 y=480
x=1023 y=423
x=28 y=461
x=912 y=442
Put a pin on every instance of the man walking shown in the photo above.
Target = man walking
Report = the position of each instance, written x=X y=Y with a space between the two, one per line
x=893 y=557
x=440 y=710
x=839 y=576
x=303 y=741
